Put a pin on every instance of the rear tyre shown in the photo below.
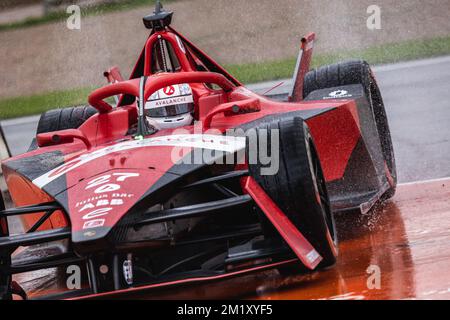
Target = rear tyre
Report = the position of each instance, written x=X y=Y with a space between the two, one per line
x=298 y=187
x=359 y=72
x=5 y=258
x=62 y=119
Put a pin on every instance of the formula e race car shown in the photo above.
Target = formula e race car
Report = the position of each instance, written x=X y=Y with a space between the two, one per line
x=182 y=174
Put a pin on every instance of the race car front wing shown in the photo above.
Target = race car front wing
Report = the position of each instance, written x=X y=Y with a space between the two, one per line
x=253 y=195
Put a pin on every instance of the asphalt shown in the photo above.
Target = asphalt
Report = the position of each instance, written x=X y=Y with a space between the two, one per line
x=19 y=133
x=417 y=100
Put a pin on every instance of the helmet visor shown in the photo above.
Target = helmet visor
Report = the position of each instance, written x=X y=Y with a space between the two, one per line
x=170 y=111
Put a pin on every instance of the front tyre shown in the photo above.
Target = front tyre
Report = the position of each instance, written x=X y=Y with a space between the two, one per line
x=298 y=187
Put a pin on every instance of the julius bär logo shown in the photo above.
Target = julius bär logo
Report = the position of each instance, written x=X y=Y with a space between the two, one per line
x=170 y=90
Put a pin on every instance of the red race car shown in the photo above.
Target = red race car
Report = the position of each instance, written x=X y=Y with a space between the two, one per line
x=182 y=174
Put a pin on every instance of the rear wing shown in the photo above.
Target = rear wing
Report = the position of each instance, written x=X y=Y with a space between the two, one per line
x=302 y=67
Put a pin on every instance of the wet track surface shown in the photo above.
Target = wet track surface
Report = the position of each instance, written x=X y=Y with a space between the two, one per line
x=408 y=239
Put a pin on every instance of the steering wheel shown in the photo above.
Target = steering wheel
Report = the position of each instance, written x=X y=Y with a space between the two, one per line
x=153 y=84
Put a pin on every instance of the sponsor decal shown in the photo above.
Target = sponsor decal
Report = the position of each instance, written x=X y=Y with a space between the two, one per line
x=170 y=90
x=312 y=256
x=171 y=95
x=338 y=94
x=184 y=89
x=168 y=102
x=95 y=210
x=203 y=141
x=128 y=271
x=154 y=96
x=89 y=234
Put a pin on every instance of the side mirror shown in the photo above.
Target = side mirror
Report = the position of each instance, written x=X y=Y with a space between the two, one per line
x=231 y=109
x=62 y=137
x=113 y=75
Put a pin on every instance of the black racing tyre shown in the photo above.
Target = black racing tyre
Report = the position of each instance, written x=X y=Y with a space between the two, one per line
x=298 y=187
x=5 y=258
x=62 y=119
x=359 y=72
x=66 y=118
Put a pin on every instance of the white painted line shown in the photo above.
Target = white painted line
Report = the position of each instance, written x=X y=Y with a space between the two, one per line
x=380 y=68
x=20 y=121
x=264 y=86
x=412 y=64
x=425 y=181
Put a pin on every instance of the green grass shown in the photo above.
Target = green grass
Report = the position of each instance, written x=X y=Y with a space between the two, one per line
x=86 y=11
x=36 y=104
x=247 y=73
x=388 y=53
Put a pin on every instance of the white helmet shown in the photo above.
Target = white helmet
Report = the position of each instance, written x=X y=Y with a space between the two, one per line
x=170 y=107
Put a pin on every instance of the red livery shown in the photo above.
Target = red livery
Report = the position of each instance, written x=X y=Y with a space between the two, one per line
x=182 y=174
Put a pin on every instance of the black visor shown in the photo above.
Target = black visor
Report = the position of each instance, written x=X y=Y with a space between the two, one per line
x=170 y=111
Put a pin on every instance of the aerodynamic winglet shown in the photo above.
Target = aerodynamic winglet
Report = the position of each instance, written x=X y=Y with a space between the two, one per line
x=293 y=237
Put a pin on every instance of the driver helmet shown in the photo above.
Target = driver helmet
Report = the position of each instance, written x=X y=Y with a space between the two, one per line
x=170 y=107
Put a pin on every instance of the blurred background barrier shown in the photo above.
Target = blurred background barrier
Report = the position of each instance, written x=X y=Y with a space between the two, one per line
x=49 y=3
x=61 y=5
x=16 y=14
x=46 y=65
x=16 y=3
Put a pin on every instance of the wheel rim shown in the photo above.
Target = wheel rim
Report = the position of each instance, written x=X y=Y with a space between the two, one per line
x=321 y=189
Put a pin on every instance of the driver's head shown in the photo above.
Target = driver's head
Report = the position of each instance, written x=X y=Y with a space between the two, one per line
x=170 y=107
